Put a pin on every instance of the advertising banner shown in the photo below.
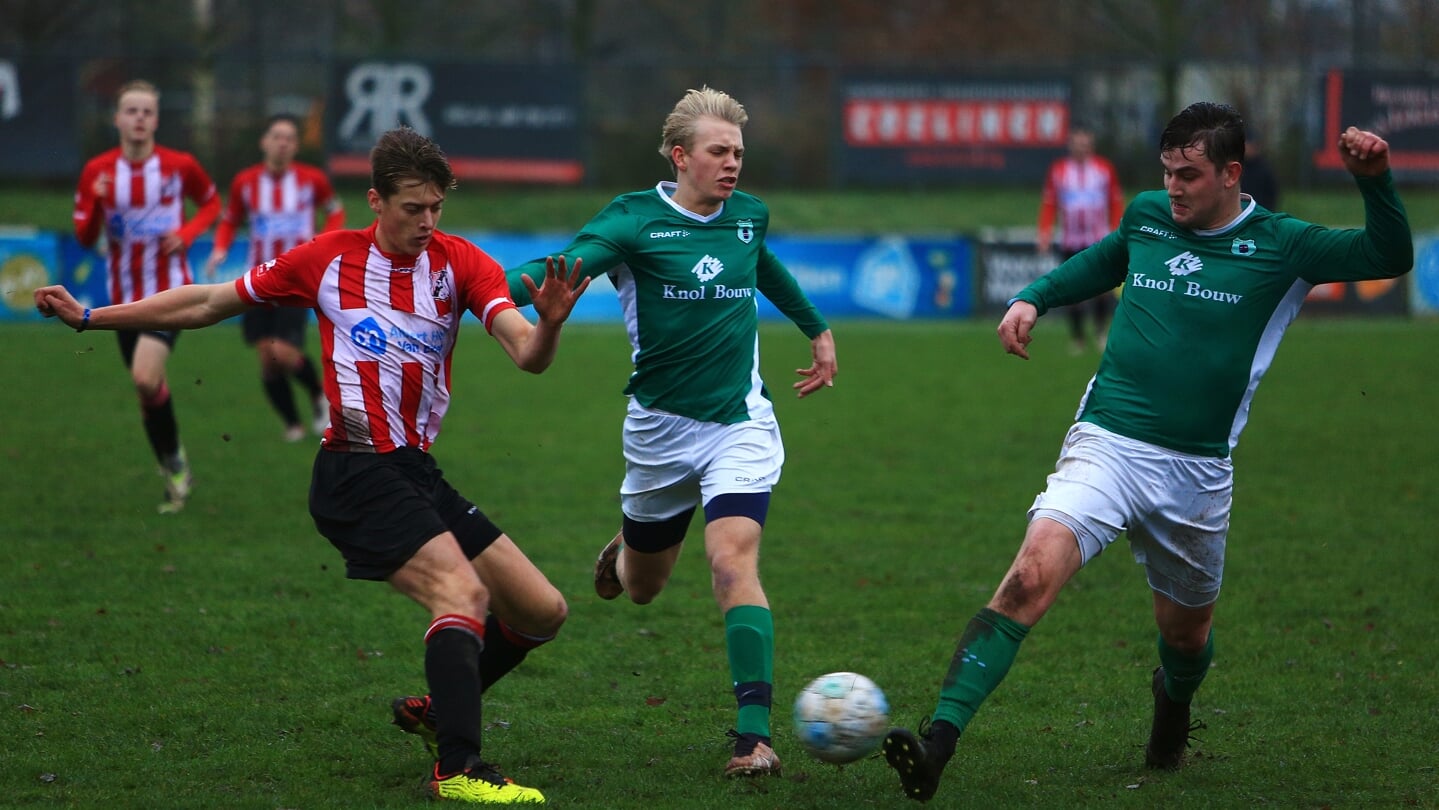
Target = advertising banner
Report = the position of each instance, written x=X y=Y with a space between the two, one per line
x=37 y=119
x=892 y=277
x=498 y=123
x=933 y=131
x=1005 y=266
x=1403 y=107
x=1424 y=279
x=28 y=259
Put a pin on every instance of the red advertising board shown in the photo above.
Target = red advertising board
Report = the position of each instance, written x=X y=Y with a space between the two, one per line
x=904 y=130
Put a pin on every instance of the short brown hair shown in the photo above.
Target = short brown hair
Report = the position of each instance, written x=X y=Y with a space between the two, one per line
x=404 y=154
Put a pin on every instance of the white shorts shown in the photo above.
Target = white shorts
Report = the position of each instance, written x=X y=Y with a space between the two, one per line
x=1174 y=506
x=673 y=462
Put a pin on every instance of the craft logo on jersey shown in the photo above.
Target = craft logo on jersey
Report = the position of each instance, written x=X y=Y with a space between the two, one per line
x=746 y=231
x=1243 y=247
x=368 y=334
x=707 y=268
x=1184 y=264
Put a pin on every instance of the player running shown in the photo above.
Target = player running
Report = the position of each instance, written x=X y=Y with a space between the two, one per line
x=137 y=191
x=689 y=259
x=278 y=198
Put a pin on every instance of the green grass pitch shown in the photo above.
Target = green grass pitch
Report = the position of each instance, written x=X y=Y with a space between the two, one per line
x=218 y=658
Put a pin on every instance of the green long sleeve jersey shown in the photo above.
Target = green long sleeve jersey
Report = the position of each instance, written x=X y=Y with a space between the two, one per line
x=687 y=286
x=1202 y=312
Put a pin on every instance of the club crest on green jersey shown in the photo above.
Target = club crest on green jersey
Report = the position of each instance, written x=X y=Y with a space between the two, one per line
x=746 y=231
x=1243 y=247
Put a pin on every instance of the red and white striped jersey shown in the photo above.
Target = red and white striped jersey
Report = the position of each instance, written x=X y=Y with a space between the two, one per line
x=388 y=326
x=138 y=204
x=279 y=210
x=1085 y=196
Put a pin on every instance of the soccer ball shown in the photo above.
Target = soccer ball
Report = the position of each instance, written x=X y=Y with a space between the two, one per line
x=841 y=717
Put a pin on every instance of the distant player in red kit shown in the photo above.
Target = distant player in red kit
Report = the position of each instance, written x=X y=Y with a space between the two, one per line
x=137 y=191
x=278 y=199
x=1082 y=192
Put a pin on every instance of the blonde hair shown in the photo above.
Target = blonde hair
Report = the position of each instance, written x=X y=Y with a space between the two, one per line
x=680 y=124
x=137 y=86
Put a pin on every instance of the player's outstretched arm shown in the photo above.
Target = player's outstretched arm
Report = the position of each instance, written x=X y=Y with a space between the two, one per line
x=1364 y=153
x=1014 y=329
x=822 y=370
x=532 y=346
x=189 y=307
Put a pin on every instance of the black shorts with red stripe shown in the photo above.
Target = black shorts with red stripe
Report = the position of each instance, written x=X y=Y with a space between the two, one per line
x=378 y=509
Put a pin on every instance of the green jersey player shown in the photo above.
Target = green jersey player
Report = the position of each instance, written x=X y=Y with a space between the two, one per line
x=1211 y=281
x=688 y=259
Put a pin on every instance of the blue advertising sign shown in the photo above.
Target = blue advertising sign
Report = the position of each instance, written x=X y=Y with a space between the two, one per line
x=893 y=277
x=28 y=259
x=1425 y=278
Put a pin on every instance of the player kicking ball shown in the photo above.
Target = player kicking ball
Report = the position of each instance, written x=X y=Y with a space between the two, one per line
x=389 y=300
x=1211 y=282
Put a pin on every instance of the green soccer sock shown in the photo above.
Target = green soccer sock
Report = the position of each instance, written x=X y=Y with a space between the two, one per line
x=749 y=635
x=1183 y=673
x=981 y=660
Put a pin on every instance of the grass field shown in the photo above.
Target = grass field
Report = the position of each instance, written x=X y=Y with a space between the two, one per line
x=218 y=658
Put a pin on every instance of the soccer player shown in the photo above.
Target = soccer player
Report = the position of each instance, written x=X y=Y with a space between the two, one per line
x=688 y=258
x=279 y=198
x=389 y=299
x=1082 y=192
x=137 y=191
x=1212 y=281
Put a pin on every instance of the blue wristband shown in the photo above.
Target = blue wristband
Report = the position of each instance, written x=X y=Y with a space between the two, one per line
x=84 y=321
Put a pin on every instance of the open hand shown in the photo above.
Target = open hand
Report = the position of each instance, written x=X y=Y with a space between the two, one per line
x=555 y=297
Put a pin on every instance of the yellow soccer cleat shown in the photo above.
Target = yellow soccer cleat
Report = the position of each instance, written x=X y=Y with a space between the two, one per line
x=482 y=783
x=178 y=483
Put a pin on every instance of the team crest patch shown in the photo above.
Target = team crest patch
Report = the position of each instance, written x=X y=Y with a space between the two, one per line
x=746 y=231
x=440 y=284
x=1243 y=247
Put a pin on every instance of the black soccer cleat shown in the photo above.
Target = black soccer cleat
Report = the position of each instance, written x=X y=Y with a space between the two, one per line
x=1170 y=732
x=917 y=759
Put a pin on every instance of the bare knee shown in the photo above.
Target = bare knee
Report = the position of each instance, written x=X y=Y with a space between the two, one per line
x=551 y=616
x=643 y=593
x=1021 y=594
x=1188 y=638
x=1046 y=561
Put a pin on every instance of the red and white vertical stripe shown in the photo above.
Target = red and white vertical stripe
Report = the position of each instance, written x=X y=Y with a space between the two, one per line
x=387 y=327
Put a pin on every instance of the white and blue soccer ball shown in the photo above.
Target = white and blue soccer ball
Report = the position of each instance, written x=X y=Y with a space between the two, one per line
x=841 y=717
